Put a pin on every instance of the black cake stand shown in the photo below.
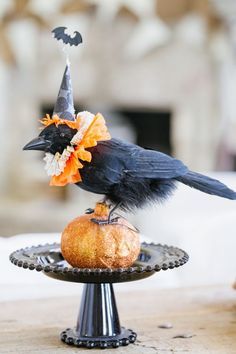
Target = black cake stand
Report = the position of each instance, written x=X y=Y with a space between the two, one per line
x=98 y=321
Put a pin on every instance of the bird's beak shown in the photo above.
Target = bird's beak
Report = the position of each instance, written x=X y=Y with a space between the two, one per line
x=36 y=144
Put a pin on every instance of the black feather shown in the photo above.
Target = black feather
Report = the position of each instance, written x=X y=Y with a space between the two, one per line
x=60 y=34
x=207 y=185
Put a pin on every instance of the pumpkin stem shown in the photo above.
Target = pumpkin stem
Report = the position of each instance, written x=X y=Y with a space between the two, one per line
x=101 y=210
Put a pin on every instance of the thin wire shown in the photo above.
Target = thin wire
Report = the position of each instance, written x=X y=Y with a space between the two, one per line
x=66 y=52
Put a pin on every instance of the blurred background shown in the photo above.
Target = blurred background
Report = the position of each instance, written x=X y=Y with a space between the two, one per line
x=163 y=74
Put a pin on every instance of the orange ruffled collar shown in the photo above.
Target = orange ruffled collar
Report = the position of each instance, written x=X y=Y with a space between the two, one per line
x=96 y=131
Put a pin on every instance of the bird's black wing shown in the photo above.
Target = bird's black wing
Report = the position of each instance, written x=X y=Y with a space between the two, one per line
x=118 y=158
x=154 y=164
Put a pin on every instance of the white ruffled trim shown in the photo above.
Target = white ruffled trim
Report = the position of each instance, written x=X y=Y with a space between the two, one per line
x=55 y=164
x=86 y=120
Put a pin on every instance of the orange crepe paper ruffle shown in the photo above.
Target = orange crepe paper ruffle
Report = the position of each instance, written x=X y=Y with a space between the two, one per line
x=56 y=120
x=70 y=173
x=97 y=131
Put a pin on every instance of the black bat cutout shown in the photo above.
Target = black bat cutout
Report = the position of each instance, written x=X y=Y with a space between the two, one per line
x=59 y=33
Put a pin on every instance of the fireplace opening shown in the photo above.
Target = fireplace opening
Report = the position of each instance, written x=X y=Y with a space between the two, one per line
x=152 y=128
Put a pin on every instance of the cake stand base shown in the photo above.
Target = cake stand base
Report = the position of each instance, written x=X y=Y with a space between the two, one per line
x=98 y=323
x=127 y=336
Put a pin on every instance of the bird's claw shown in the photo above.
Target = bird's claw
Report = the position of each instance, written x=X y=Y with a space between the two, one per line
x=89 y=211
x=105 y=222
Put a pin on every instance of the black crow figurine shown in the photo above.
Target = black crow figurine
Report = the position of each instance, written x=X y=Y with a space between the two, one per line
x=128 y=175
x=79 y=150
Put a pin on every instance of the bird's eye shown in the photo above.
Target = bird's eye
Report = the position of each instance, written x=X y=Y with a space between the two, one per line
x=62 y=135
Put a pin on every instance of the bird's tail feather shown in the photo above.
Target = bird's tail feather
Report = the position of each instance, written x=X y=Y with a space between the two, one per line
x=207 y=185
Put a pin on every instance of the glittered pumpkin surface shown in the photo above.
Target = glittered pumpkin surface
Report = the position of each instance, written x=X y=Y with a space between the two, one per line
x=85 y=244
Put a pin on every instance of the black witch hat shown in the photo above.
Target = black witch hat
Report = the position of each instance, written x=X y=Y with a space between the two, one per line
x=64 y=107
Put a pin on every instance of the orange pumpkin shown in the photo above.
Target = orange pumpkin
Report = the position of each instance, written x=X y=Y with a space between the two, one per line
x=85 y=244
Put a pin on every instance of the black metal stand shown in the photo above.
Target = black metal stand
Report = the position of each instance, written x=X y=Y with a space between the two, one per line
x=98 y=321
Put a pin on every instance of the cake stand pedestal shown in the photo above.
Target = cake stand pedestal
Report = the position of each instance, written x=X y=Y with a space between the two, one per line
x=98 y=324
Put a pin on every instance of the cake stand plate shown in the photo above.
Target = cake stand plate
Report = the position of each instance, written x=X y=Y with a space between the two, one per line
x=98 y=322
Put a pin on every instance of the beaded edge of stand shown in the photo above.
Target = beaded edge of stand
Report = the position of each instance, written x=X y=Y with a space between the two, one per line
x=99 y=271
